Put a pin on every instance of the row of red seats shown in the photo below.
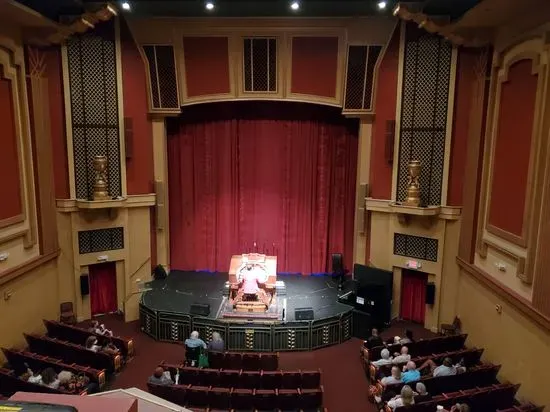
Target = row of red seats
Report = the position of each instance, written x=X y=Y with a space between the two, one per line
x=78 y=335
x=486 y=399
x=248 y=361
x=233 y=410
x=239 y=399
x=11 y=383
x=421 y=347
x=529 y=407
x=471 y=358
x=18 y=359
x=482 y=375
x=73 y=353
x=245 y=379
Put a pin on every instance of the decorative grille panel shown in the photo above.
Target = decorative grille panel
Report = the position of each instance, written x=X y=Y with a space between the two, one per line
x=260 y=64
x=361 y=67
x=426 y=78
x=415 y=247
x=94 y=108
x=93 y=241
x=162 y=73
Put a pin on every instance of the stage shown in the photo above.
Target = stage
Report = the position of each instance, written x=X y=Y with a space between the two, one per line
x=165 y=313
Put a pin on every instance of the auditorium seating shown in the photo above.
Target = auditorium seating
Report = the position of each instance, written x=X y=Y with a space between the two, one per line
x=248 y=361
x=242 y=379
x=471 y=358
x=523 y=408
x=239 y=398
x=18 y=358
x=482 y=375
x=78 y=335
x=423 y=347
x=11 y=383
x=483 y=399
x=72 y=353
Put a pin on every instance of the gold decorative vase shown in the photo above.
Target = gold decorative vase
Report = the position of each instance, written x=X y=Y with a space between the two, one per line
x=101 y=191
x=413 y=185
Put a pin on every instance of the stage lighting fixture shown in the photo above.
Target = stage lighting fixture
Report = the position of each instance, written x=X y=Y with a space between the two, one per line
x=295 y=5
x=382 y=5
x=209 y=5
x=126 y=6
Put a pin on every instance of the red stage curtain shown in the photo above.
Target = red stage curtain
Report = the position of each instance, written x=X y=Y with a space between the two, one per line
x=280 y=175
x=413 y=295
x=103 y=292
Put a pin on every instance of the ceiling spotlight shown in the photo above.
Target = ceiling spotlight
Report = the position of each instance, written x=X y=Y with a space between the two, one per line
x=209 y=5
x=295 y=5
x=126 y=6
x=382 y=5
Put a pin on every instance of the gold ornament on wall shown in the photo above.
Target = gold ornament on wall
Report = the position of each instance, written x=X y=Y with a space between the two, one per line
x=101 y=191
x=413 y=185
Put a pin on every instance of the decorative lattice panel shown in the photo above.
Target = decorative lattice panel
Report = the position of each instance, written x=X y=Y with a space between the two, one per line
x=162 y=73
x=94 y=108
x=426 y=78
x=415 y=247
x=260 y=64
x=93 y=241
x=360 y=72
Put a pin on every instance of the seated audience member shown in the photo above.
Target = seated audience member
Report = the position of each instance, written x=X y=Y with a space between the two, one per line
x=92 y=344
x=422 y=394
x=459 y=407
x=110 y=348
x=402 y=357
x=384 y=360
x=73 y=383
x=193 y=348
x=406 y=398
x=446 y=369
x=216 y=344
x=100 y=329
x=374 y=340
x=160 y=377
x=408 y=337
x=49 y=378
x=394 y=378
x=410 y=374
x=93 y=326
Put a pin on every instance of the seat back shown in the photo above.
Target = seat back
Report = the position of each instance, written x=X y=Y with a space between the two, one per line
x=242 y=399
x=198 y=396
x=269 y=361
x=265 y=399
x=311 y=398
x=216 y=359
x=251 y=362
x=220 y=398
x=311 y=379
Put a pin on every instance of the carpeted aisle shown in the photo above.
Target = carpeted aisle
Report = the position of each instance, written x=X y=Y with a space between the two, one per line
x=343 y=379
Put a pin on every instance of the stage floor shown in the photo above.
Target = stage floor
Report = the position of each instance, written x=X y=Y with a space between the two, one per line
x=182 y=289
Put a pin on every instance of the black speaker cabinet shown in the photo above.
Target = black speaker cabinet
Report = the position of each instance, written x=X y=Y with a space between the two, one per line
x=200 y=309
x=337 y=263
x=361 y=324
x=159 y=273
x=303 y=314
x=430 y=293
x=84 y=285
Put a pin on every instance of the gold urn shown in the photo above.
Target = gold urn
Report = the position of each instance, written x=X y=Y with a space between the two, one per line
x=101 y=190
x=413 y=185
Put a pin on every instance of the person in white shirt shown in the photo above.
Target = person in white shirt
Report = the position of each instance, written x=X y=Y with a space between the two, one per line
x=394 y=378
x=384 y=360
x=406 y=398
x=92 y=344
x=402 y=357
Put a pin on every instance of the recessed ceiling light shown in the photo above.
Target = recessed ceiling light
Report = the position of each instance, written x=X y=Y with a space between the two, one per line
x=126 y=6
x=209 y=5
x=382 y=5
x=295 y=5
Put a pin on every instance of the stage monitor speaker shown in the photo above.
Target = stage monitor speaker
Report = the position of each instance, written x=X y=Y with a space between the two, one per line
x=430 y=293
x=303 y=314
x=159 y=273
x=337 y=263
x=84 y=285
x=200 y=309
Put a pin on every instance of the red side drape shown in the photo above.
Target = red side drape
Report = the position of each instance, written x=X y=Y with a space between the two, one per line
x=413 y=295
x=272 y=177
x=103 y=292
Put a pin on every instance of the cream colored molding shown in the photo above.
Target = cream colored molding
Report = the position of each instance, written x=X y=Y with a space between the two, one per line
x=74 y=205
x=520 y=260
x=387 y=206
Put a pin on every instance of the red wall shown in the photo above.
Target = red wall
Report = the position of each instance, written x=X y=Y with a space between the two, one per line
x=385 y=105
x=206 y=65
x=512 y=148
x=314 y=68
x=11 y=204
x=464 y=88
x=139 y=167
x=54 y=74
